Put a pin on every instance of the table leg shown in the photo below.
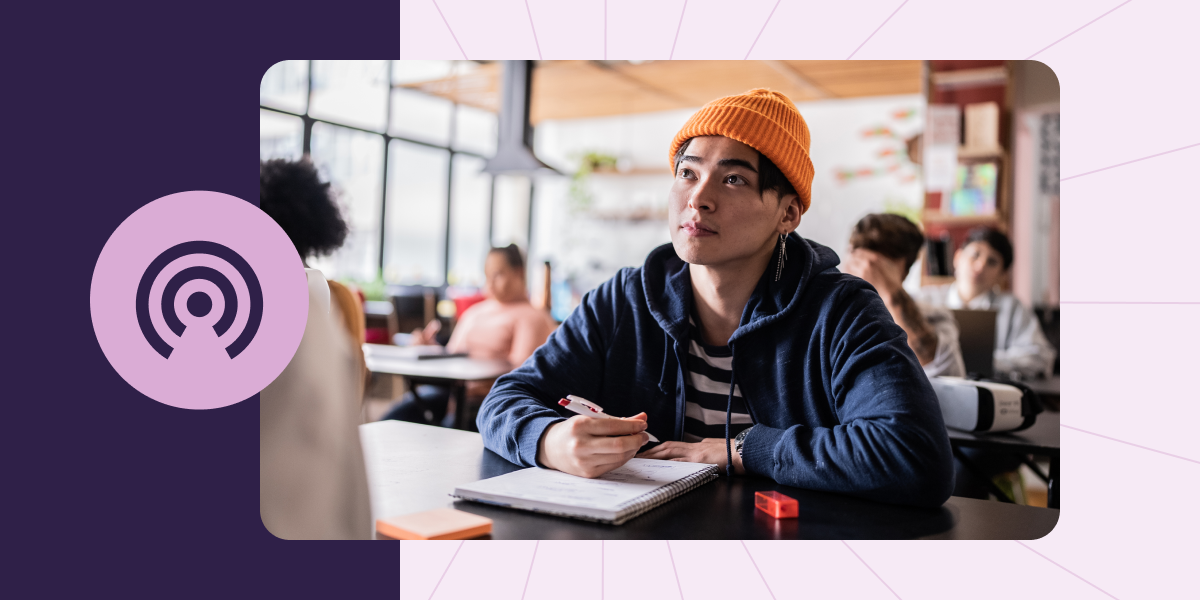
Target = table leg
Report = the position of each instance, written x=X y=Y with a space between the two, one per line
x=459 y=392
x=1052 y=496
x=983 y=478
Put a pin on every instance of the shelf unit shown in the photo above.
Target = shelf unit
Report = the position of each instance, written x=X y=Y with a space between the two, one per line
x=965 y=82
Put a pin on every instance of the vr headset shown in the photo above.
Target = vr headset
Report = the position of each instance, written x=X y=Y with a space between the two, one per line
x=985 y=406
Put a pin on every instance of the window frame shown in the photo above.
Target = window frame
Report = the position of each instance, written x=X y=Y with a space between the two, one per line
x=306 y=151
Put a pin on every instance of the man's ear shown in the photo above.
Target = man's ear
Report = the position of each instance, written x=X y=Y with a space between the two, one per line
x=791 y=214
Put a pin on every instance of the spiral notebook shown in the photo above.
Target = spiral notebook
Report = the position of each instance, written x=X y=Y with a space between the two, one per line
x=615 y=497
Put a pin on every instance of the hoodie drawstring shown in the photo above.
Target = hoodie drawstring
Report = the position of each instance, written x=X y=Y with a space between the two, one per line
x=666 y=356
x=728 y=413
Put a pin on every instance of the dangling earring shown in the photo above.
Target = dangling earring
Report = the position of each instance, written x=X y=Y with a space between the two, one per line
x=782 y=256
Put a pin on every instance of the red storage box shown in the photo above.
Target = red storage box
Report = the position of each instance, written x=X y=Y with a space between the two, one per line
x=777 y=505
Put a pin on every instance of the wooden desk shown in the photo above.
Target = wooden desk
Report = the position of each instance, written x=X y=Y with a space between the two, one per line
x=451 y=372
x=1041 y=440
x=412 y=468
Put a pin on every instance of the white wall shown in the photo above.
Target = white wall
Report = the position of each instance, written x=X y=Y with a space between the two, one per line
x=1034 y=275
x=627 y=216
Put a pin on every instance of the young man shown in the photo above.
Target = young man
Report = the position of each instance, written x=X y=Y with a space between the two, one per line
x=1022 y=350
x=737 y=328
x=883 y=249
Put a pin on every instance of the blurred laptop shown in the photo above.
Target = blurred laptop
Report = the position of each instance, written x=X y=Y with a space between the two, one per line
x=977 y=338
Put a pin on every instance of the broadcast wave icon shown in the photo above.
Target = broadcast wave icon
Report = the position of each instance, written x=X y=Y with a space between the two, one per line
x=199 y=300
x=199 y=303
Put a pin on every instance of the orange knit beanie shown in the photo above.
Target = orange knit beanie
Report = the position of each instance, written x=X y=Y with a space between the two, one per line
x=764 y=120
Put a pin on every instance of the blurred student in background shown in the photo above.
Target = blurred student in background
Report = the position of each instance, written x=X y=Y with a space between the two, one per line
x=292 y=193
x=1022 y=350
x=313 y=482
x=505 y=326
x=883 y=248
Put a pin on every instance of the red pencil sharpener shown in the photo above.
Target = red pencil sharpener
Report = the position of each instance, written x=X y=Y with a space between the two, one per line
x=777 y=505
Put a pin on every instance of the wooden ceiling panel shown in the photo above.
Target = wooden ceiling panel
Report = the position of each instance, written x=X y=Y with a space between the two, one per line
x=580 y=89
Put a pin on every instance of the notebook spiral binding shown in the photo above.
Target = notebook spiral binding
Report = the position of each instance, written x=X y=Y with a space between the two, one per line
x=662 y=495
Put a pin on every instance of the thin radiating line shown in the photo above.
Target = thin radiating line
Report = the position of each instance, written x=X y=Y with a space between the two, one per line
x=1130 y=162
x=452 y=36
x=1067 y=570
x=674 y=570
x=1132 y=444
x=527 y=575
x=531 y=28
x=885 y=21
x=1119 y=302
x=677 y=28
x=760 y=31
x=446 y=570
x=1078 y=30
x=860 y=559
x=760 y=575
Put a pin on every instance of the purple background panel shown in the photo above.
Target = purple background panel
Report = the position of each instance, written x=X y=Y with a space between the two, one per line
x=107 y=492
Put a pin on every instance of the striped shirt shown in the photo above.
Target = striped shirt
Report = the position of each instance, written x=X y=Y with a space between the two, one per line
x=709 y=369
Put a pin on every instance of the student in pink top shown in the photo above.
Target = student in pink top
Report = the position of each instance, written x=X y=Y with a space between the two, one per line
x=505 y=326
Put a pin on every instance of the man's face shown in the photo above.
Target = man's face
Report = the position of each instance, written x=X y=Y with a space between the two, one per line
x=978 y=266
x=716 y=213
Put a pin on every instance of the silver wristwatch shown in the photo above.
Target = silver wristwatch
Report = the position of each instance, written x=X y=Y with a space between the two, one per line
x=740 y=440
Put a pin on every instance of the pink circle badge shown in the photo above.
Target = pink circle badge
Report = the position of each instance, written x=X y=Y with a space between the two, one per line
x=199 y=300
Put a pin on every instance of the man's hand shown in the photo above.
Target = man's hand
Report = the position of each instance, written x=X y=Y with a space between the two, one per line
x=708 y=450
x=885 y=274
x=590 y=447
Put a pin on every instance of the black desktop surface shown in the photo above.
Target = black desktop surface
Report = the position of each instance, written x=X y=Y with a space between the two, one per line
x=415 y=467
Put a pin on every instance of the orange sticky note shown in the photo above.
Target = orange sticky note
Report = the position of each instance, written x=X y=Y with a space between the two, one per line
x=436 y=524
x=777 y=505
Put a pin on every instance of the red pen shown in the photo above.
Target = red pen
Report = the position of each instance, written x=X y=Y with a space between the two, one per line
x=578 y=405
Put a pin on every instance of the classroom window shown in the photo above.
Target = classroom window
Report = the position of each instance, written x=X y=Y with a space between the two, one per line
x=350 y=115
x=419 y=116
x=411 y=71
x=279 y=136
x=470 y=215
x=475 y=130
x=353 y=162
x=354 y=92
x=418 y=177
x=285 y=86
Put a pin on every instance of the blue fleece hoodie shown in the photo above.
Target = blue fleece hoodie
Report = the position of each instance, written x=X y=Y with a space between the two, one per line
x=838 y=399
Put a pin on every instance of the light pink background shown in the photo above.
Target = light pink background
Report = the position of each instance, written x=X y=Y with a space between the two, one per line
x=1130 y=523
x=199 y=374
